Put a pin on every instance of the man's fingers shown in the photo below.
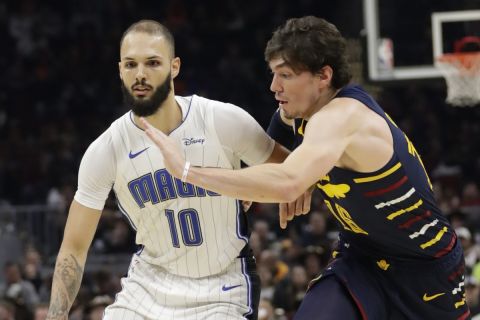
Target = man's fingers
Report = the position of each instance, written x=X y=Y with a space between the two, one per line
x=246 y=205
x=155 y=135
x=146 y=124
x=291 y=210
x=282 y=214
x=307 y=200
x=299 y=205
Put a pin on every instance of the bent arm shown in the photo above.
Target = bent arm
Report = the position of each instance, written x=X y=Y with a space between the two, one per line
x=282 y=182
x=79 y=231
x=327 y=135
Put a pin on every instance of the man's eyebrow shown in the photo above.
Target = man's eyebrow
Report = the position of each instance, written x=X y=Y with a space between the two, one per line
x=283 y=64
x=148 y=58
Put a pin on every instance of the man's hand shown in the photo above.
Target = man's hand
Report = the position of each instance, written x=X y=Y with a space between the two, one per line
x=298 y=207
x=246 y=205
x=173 y=159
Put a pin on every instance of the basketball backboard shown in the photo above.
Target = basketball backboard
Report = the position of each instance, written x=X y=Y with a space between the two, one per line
x=404 y=38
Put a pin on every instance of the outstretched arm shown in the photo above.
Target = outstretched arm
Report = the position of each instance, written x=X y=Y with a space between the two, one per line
x=281 y=183
x=79 y=230
x=326 y=137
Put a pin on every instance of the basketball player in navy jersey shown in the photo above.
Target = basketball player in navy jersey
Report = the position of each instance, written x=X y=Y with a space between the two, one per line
x=398 y=257
x=195 y=262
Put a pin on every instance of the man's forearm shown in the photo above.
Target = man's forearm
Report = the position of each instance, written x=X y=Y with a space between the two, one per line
x=66 y=283
x=262 y=183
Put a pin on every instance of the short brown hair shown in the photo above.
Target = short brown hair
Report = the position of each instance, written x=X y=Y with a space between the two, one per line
x=151 y=27
x=310 y=43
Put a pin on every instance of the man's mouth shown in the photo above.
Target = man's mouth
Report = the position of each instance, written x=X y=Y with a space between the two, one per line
x=141 y=91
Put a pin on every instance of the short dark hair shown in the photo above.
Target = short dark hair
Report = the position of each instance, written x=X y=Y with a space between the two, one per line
x=310 y=43
x=151 y=27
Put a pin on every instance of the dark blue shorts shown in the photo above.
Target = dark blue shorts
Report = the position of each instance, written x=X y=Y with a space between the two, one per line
x=385 y=289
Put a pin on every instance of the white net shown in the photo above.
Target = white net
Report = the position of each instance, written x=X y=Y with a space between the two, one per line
x=462 y=74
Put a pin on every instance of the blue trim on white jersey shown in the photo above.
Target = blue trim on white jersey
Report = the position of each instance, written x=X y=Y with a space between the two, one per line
x=139 y=251
x=131 y=118
x=184 y=118
x=239 y=231
x=249 y=287
x=124 y=212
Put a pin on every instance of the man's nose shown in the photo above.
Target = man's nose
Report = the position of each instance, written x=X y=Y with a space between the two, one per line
x=140 y=73
x=275 y=85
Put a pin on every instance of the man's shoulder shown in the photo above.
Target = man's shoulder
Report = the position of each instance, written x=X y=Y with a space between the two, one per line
x=200 y=101
x=116 y=128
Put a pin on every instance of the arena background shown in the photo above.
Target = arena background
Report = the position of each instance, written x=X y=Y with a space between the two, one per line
x=60 y=89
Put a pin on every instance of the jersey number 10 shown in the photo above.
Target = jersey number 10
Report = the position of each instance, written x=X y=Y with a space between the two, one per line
x=189 y=227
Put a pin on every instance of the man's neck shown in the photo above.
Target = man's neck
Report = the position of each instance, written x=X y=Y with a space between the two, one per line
x=322 y=101
x=167 y=118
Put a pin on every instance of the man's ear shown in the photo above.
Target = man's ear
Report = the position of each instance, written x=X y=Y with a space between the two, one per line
x=324 y=76
x=120 y=70
x=175 y=67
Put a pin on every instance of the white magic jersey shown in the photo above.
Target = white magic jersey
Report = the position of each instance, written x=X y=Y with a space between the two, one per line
x=185 y=229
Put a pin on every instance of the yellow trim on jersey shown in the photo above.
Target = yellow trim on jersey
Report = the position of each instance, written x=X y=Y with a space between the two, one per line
x=391 y=120
x=335 y=190
x=383 y=264
x=300 y=129
x=378 y=176
x=459 y=303
x=415 y=154
x=344 y=218
x=434 y=240
x=402 y=211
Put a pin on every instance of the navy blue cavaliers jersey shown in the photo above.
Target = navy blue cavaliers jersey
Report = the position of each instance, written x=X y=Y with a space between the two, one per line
x=391 y=211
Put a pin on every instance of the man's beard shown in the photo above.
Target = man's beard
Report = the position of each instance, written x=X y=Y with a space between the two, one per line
x=147 y=106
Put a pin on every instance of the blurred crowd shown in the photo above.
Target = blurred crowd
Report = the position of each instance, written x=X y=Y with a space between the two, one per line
x=60 y=90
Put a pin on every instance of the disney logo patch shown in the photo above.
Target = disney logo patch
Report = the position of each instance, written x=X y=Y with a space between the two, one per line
x=189 y=141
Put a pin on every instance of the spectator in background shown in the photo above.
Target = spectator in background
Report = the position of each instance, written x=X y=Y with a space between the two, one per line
x=7 y=310
x=314 y=260
x=265 y=310
x=278 y=268
x=262 y=229
x=267 y=285
x=106 y=283
x=290 y=291
x=472 y=295
x=315 y=232
x=20 y=292
x=40 y=311
x=97 y=306
x=120 y=238
x=32 y=267
x=470 y=203
x=470 y=248
x=457 y=219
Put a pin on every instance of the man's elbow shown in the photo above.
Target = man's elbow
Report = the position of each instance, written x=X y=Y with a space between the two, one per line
x=72 y=244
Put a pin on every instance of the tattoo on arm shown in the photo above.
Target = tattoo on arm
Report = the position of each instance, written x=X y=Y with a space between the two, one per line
x=71 y=275
x=66 y=283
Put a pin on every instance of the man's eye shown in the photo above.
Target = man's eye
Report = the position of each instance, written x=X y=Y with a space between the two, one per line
x=153 y=63
x=130 y=65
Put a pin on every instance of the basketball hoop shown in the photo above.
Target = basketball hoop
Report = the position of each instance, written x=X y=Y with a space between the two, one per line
x=462 y=74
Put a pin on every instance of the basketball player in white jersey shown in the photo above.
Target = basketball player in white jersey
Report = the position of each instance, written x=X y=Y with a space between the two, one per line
x=195 y=262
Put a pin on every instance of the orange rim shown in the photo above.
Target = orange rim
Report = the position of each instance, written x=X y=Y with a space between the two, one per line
x=469 y=60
